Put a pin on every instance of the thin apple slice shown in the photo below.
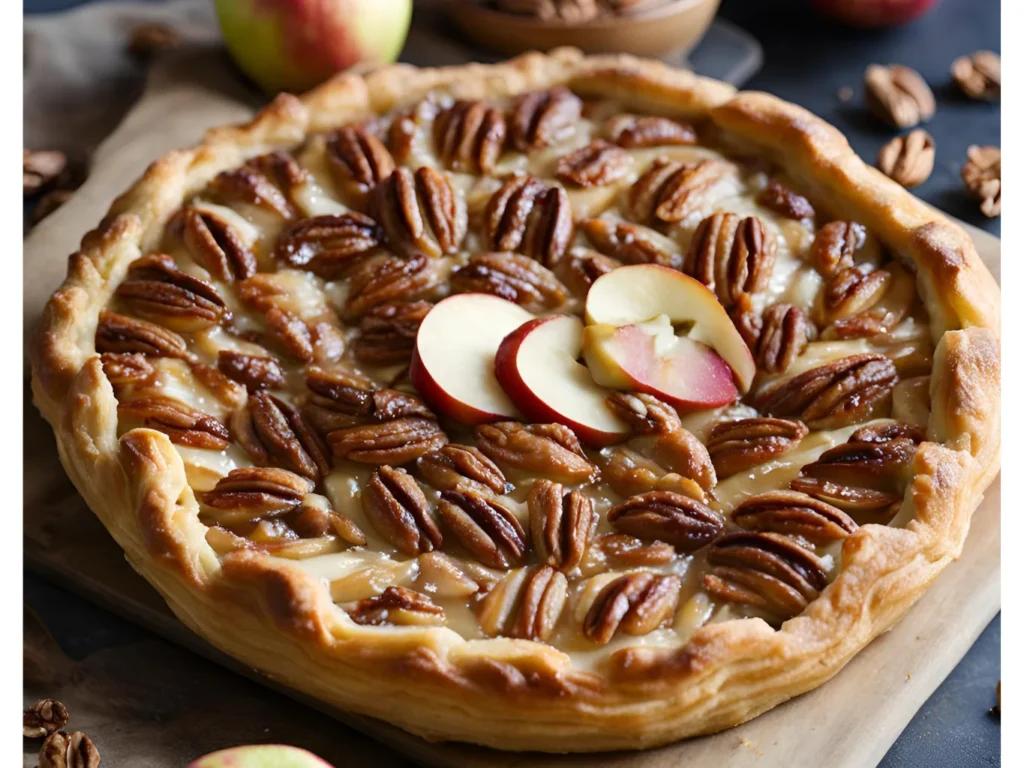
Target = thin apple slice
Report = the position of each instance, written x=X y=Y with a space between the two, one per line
x=537 y=366
x=649 y=357
x=453 y=362
x=641 y=292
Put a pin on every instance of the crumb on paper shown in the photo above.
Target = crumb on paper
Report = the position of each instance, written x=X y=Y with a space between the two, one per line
x=845 y=93
x=751 y=746
x=908 y=677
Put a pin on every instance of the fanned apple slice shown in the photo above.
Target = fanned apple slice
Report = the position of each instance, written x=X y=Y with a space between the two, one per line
x=537 y=366
x=642 y=292
x=453 y=362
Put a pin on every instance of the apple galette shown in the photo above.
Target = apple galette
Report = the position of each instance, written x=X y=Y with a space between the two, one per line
x=564 y=404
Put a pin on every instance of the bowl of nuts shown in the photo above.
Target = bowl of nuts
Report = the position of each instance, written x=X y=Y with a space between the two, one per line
x=641 y=27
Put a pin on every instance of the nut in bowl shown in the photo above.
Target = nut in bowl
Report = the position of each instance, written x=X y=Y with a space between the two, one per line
x=640 y=27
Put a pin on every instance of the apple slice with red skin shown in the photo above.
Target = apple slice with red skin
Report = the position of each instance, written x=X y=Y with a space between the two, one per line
x=639 y=293
x=453 y=361
x=261 y=756
x=537 y=366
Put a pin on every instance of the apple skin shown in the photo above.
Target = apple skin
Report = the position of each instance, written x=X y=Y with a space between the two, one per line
x=294 y=45
x=507 y=370
x=873 y=14
x=260 y=756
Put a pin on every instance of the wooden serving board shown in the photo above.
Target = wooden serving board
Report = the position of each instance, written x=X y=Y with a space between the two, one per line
x=848 y=723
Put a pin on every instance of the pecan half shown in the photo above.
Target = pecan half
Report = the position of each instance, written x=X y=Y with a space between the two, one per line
x=182 y=423
x=314 y=519
x=387 y=332
x=386 y=280
x=249 y=493
x=747 y=322
x=785 y=202
x=341 y=400
x=785 y=332
x=875 y=505
x=542 y=118
x=291 y=332
x=126 y=367
x=645 y=414
x=642 y=131
x=44 y=717
x=548 y=450
x=794 y=514
x=853 y=291
x=731 y=256
x=908 y=160
x=768 y=571
x=217 y=246
x=637 y=603
x=253 y=371
x=671 y=190
x=397 y=509
x=623 y=551
x=419 y=213
x=470 y=136
x=561 y=525
x=489 y=531
x=391 y=442
x=156 y=289
x=272 y=431
x=119 y=333
x=328 y=246
x=511 y=276
x=358 y=158
x=982 y=175
x=838 y=393
x=266 y=181
x=582 y=267
x=62 y=750
x=835 y=245
x=599 y=163
x=631 y=243
x=738 y=445
x=527 y=216
x=461 y=467
x=898 y=95
x=979 y=75
x=670 y=517
x=883 y=433
x=878 y=465
x=527 y=604
x=399 y=606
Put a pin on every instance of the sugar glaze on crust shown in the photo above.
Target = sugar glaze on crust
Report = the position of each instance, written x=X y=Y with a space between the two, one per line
x=508 y=693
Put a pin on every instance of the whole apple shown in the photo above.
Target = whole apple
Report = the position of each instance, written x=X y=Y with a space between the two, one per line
x=874 y=13
x=294 y=45
x=261 y=756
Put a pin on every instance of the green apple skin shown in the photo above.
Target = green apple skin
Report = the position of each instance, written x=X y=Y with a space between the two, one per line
x=260 y=756
x=294 y=45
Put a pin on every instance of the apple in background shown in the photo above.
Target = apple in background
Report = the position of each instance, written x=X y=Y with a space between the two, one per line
x=872 y=14
x=538 y=367
x=639 y=293
x=295 y=45
x=260 y=756
x=453 y=361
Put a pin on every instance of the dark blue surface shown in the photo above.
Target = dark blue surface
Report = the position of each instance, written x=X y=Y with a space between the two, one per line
x=807 y=60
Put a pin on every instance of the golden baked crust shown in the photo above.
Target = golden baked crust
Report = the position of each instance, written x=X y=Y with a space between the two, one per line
x=509 y=693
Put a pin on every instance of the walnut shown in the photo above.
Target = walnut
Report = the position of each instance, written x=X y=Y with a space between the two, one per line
x=835 y=245
x=516 y=278
x=637 y=603
x=852 y=291
x=62 y=750
x=126 y=367
x=978 y=75
x=561 y=525
x=784 y=333
x=399 y=606
x=358 y=160
x=461 y=467
x=898 y=95
x=670 y=190
x=908 y=160
x=623 y=551
x=328 y=246
x=386 y=280
x=43 y=718
x=794 y=514
x=832 y=395
x=182 y=423
x=527 y=604
x=397 y=509
x=419 y=213
x=273 y=431
x=670 y=517
x=738 y=445
x=542 y=118
x=392 y=442
x=252 y=493
x=217 y=246
x=157 y=290
x=254 y=371
x=599 y=163
x=267 y=181
x=767 y=571
x=642 y=131
x=982 y=175
x=470 y=136
x=490 y=532
x=731 y=256
x=527 y=216
x=119 y=333
x=547 y=450
x=785 y=202
x=632 y=243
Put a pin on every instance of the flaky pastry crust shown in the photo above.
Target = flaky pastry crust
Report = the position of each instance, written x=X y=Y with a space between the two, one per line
x=507 y=693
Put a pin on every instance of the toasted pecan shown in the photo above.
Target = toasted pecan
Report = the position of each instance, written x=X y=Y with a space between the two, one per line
x=527 y=216
x=738 y=445
x=835 y=245
x=547 y=450
x=328 y=245
x=562 y=525
x=542 y=118
x=358 y=158
x=623 y=551
x=397 y=509
x=898 y=95
x=470 y=136
x=782 y=200
x=731 y=256
x=631 y=243
x=399 y=606
x=642 y=131
x=126 y=367
x=670 y=190
x=118 y=333
x=527 y=604
x=387 y=332
x=250 y=493
x=599 y=163
x=254 y=371
x=511 y=276
x=271 y=431
x=182 y=423
x=157 y=290
x=665 y=516
x=391 y=442
x=461 y=467
x=217 y=246
x=783 y=334
x=794 y=514
x=636 y=603
x=489 y=531
x=265 y=181
x=419 y=213
x=386 y=280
